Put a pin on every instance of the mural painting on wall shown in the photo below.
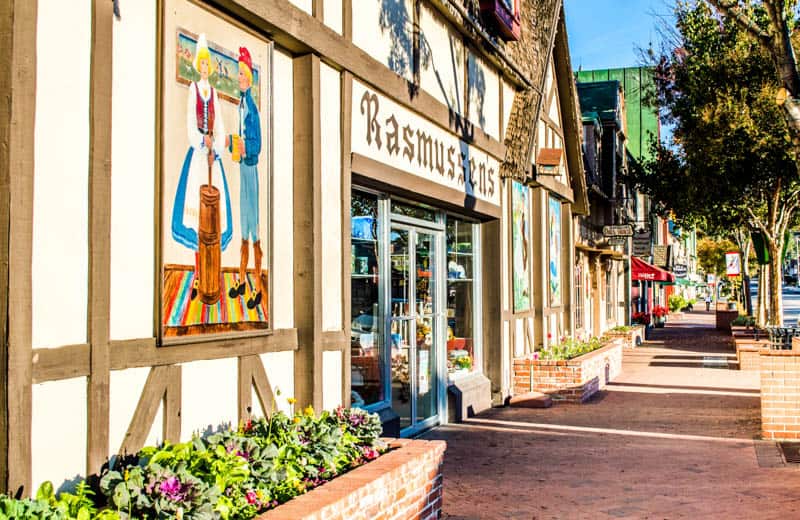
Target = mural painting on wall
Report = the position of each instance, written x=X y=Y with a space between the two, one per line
x=520 y=240
x=554 y=246
x=216 y=167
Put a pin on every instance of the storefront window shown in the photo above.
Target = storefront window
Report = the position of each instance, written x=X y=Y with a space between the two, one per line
x=366 y=337
x=609 y=296
x=413 y=211
x=461 y=275
x=579 y=295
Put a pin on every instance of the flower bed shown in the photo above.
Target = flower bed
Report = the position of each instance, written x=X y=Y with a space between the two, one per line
x=233 y=474
x=570 y=380
x=633 y=335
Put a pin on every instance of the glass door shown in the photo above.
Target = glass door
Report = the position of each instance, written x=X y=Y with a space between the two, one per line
x=414 y=324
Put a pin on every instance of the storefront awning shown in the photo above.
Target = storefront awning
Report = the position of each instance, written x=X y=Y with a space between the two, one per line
x=641 y=270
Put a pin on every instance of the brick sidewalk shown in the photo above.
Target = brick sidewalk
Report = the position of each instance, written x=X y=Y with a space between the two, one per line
x=672 y=437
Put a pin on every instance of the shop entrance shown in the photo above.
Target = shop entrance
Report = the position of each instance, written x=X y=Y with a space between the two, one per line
x=415 y=322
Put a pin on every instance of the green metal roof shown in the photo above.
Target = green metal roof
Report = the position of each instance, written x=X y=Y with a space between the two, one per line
x=600 y=98
x=641 y=118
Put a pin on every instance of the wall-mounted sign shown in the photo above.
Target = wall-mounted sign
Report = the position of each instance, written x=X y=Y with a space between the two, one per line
x=680 y=270
x=641 y=244
x=733 y=264
x=386 y=132
x=617 y=241
x=661 y=256
x=618 y=231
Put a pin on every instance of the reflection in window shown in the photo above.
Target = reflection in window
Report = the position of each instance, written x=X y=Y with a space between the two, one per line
x=460 y=290
x=366 y=337
x=579 y=295
x=414 y=211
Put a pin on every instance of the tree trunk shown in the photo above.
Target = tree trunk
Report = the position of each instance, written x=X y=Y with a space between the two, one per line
x=775 y=285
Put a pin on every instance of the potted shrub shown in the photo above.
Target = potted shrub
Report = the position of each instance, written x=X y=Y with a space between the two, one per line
x=659 y=316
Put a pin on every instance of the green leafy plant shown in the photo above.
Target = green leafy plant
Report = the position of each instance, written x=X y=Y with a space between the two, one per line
x=677 y=302
x=621 y=329
x=234 y=474
x=570 y=348
x=742 y=320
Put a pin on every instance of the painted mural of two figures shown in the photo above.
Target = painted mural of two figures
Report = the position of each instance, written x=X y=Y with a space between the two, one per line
x=216 y=294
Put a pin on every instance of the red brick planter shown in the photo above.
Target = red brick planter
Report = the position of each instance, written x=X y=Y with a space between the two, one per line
x=630 y=337
x=405 y=483
x=780 y=393
x=748 y=351
x=573 y=381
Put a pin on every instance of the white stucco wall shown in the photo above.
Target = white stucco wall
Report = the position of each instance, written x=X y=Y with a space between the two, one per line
x=282 y=194
x=305 y=5
x=442 y=55
x=519 y=337
x=332 y=14
x=133 y=173
x=209 y=395
x=279 y=367
x=331 y=379
x=58 y=432
x=483 y=95
x=330 y=108
x=125 y=389
x=385 y=31
x=508 y=102
x=59 y=286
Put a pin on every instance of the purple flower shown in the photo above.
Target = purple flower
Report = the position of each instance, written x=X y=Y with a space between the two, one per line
x=252 y=497
x=172 y=489
x=369 y=453
x=243 y=454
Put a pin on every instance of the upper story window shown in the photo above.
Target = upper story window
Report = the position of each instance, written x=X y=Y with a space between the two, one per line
x=504 y=16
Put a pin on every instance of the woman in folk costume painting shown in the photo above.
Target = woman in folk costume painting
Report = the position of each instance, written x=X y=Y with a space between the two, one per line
x=206 y=135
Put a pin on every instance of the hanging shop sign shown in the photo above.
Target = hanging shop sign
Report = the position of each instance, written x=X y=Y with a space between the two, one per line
x=680 y=270
x=661 y=256
x=711 y=279
x=618 y=231
x=641 y=244
x=386 y=132
x=617 y=241
x=733 y=264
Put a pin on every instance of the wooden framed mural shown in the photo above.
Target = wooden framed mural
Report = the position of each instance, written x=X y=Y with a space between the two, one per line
x=520 y=242
x=216 y=170
x=554 y=250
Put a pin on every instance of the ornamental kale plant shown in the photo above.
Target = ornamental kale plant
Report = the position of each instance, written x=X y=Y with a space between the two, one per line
x=234 y=474
x=570 y=348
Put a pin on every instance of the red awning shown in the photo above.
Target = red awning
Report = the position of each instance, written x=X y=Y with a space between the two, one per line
x=641 y=270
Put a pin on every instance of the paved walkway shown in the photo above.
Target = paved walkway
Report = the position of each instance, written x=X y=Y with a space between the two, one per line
x=675 y=436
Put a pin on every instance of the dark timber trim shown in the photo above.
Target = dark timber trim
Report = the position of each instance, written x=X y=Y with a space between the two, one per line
x=17 y=122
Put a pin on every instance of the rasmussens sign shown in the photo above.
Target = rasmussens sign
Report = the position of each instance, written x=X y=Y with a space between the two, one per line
x=384 y=131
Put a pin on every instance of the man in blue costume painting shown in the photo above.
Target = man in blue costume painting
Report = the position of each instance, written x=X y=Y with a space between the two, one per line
x=246 y=147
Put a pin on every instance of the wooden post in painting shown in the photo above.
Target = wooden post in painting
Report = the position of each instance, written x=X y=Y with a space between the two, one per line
x=209 y=238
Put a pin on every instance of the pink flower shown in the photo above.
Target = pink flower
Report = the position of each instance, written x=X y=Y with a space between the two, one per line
x=369 y=453
x=549 y=336
x=535 y=356
x=172 y=489
x=252 y=497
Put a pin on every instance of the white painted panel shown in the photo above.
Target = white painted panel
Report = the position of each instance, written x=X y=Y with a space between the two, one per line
x=282 y=189
x=505 y=247
x=553 y=111
x=58 y=432
x=508 y=102
x=133 y=173
x=385 y=31
x=210 y=394
x=61 y=176
x=125 y=388
x=331 y=379
x=519 y=338
x=279 y=367
x=305 y=5
x=332 y=13
x=256 y=410
x=330 y=107
x=483 y=95
x=442 y=60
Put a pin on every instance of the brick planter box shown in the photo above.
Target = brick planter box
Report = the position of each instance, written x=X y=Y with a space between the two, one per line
x=780 y=393
x=573 y=381
x=632 y=338
x=405 y=483
x=724 y=319
x=748 y=352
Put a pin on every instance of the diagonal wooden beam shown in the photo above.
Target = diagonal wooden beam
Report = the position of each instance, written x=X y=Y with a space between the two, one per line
x=152 y=396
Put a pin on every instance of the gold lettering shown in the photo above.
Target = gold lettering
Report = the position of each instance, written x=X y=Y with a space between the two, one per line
x=408 y=139
x=438 y=148
x=424 y=150
x=393 y=136
x=369 y=105
x=464 y=168
x=451 y=171
x=472 y=173
x=482 y=177
x=490 y=174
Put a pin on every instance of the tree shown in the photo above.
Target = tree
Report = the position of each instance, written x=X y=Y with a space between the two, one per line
x=732 y=164
x=711 y=255
x=770 y=24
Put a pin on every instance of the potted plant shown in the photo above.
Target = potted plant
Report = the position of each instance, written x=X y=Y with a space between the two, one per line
x=659 y=315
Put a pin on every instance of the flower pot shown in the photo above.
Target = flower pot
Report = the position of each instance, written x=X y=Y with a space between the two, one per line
x=659 y=322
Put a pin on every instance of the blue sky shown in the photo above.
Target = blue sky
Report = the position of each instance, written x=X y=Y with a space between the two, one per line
x=606 y=33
